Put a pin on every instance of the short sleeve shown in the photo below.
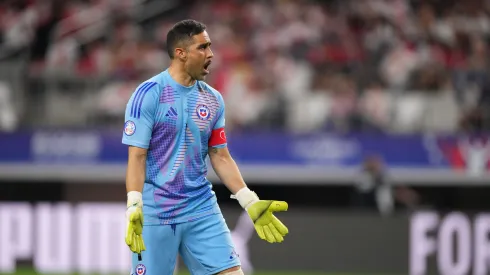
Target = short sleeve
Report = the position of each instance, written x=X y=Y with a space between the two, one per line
x=140 y=115
x=220 y=121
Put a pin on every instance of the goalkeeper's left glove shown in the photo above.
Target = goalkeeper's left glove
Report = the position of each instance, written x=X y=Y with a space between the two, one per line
x=134 y=216
x=268 y=227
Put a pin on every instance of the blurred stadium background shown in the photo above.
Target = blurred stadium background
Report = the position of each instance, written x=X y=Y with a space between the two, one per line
x=370 y=117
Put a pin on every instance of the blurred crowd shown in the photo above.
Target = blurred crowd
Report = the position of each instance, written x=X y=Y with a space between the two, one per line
x=298 y=65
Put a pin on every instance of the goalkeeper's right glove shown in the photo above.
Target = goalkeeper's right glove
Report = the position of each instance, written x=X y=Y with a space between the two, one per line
x=134 y=216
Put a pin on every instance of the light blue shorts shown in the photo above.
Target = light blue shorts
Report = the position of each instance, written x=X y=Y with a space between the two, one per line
x=205 y=246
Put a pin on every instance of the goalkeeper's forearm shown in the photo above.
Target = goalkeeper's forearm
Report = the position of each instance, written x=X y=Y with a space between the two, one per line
x=227 y=170
x=135 y=173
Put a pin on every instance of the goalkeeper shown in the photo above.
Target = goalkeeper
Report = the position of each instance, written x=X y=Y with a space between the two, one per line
x=173 y=122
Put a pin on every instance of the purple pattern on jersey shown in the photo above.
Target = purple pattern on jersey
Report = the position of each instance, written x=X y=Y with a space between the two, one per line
x=195 y=171
x=177 y=155
x=169 y=95
x=189 y=138
x=203 y=97
x=195 y=178
x=204 y=148
x=194 y=162
x=171 y=198
x=176 y=195
x=192 y=166
x=180 y=155
x=194 y=101
x=215 y=106
x=162 y=145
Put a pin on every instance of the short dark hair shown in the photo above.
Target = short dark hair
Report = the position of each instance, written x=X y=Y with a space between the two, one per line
x=182 y=32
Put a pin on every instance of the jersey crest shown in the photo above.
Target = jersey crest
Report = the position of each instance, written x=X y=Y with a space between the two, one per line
x=203 y=112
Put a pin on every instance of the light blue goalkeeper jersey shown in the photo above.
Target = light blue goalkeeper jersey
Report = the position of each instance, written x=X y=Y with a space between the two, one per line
x=175 y=123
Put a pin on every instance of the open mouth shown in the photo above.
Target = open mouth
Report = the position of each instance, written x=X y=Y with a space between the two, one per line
x=206 y=66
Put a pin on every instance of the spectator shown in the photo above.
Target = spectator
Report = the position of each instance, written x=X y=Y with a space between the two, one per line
x=374 y=190
x=431 y=58
x=8 y=117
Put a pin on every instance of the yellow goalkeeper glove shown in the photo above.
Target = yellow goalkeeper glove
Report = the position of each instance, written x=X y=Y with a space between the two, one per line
x=268 y=227
x=134 y=216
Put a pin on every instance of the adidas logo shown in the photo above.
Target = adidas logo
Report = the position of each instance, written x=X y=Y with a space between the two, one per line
x=171 y=112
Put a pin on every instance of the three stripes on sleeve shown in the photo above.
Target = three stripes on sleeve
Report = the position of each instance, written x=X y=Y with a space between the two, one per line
x=138 y=99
